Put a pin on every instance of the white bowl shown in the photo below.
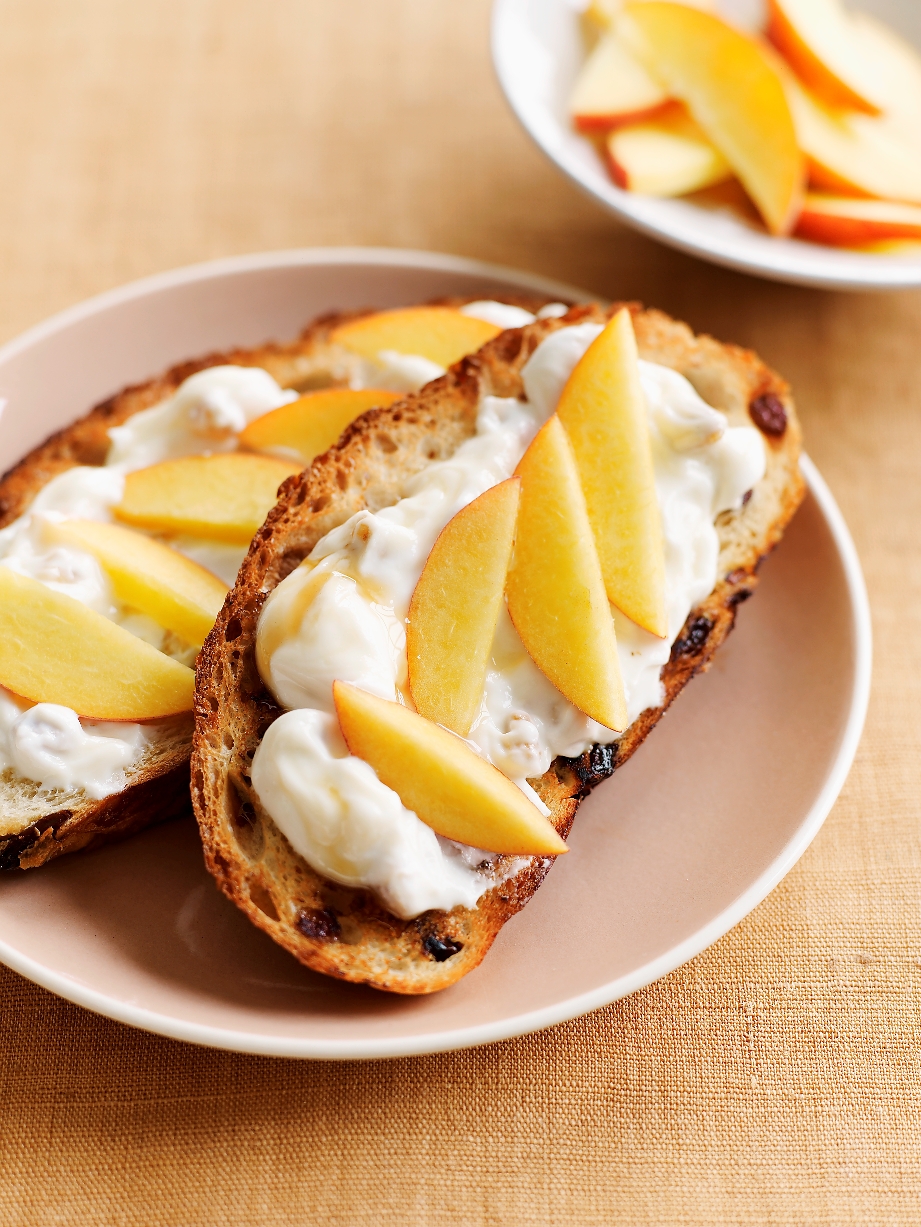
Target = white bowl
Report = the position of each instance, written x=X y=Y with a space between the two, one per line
x=685 y=840
x=538 y=50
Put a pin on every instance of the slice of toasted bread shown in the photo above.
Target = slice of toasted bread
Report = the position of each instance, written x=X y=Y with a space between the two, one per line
x=346 y=932
x=39 y=824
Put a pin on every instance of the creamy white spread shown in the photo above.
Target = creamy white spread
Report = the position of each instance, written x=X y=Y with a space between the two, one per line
x=318 y=790
x=395 y=371
x=504 y=315
x=47 y=743
x=205 y=414
x=353 y=629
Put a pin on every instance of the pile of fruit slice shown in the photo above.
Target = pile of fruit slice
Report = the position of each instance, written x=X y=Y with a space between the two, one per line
x=575 y=530
x=54 y=649
x=819 y=120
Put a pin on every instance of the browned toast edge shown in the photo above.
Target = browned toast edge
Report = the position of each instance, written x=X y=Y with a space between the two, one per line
x=160 y=789
x=347 y=933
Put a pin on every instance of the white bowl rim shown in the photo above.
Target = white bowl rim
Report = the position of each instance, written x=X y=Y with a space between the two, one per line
x=536 y=1020
x=796 y=262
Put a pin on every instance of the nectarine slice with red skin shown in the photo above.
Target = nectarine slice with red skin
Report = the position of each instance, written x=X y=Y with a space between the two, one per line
x=441 y=779
x=603 y=411
x=150 y=576
x=896 y=69
x=221 y=498
x=441 y=334
x=851 y=153
x=844 y=221
x=817 y=40
x=732 y=90
x=455 y=608
x=604 y=12
x=54 y=649
x=555 y=589
x=665 y=156
x=614 y=88
x=310 y=425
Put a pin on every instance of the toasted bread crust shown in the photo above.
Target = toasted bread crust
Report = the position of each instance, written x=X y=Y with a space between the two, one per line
x=345 y=932
x=160 y=797
x=36 y=827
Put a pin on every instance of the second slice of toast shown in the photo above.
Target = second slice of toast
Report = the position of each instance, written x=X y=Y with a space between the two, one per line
x=37 y=824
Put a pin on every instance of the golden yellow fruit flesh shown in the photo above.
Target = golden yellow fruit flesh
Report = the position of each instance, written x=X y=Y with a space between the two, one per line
x=854 y=153
x=555 y=588
x=441 y=334
x=176 y=592
x=310 y=425
x=603 y=410
x=55 y=650
x=729 y=85
x=613 y=88
x=896 y=69
x=455 y=608
x=221 y=498
x=437 y=776
x=604 y=12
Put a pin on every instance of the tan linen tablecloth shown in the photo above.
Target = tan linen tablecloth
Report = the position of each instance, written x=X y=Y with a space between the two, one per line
x=775 y=1079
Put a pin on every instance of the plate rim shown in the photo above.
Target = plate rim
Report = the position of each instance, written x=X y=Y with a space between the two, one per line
x=285 y=257
x=456 y=1039
x=871 y=274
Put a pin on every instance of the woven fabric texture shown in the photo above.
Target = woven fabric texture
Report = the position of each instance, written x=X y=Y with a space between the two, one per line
x=776 y=1079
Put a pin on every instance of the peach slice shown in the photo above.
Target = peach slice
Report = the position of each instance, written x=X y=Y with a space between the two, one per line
x=455 y=608
x=555 y=588
x=159 y=581
x=310 y=425
x=222 y=498
x=613 y=88
x=853 y=153
x=732 y=90
x=667 y=156
x=896 y=67
x=817 y=39
x=604 y=12
x=440 y=334
x=603 y=411
x=53 y=649
x=435 y=774
x=844 y=221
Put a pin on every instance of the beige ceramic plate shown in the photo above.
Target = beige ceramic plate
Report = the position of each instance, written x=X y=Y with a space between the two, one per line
x=668 y=855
